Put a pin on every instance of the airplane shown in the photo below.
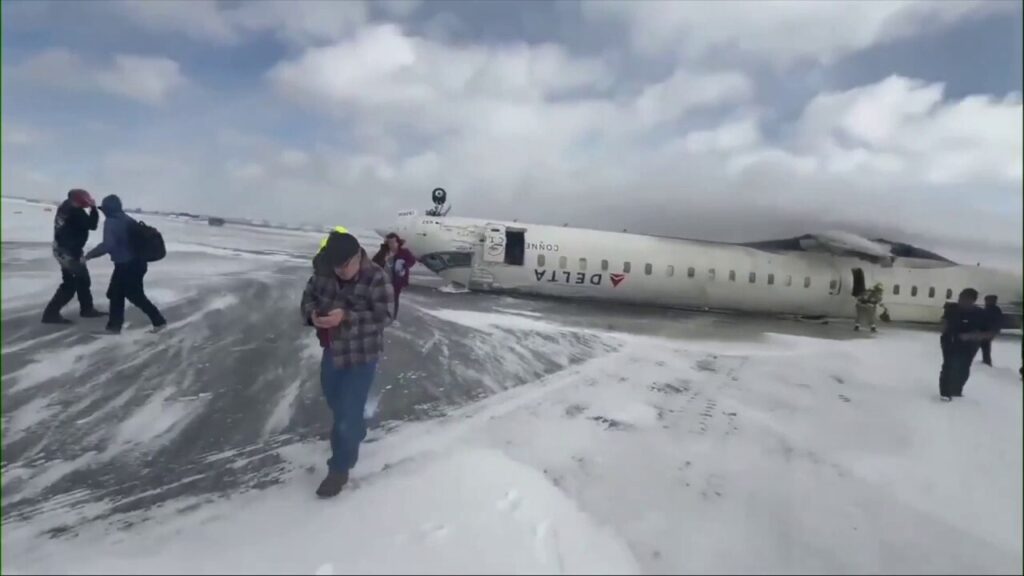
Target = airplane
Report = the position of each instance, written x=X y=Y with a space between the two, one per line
x=810 y=276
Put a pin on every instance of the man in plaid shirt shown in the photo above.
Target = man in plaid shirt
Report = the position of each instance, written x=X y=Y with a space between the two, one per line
x=350 y=301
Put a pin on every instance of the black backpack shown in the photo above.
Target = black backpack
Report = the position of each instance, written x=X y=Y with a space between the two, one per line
x=146 y=241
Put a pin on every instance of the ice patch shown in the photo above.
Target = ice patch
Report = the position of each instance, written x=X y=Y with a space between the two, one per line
x=154 y=419
x=489 y=322
x=452 y=288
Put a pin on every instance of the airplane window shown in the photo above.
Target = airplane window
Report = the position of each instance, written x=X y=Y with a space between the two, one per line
x=913 y=290
x=771 y=279
x=807 y=281
x=711 y=274
x=732 y=275
x=604 y=265
x=949 y=293
x=626 y=267
x=583 y=264
x=648 y=268
x=690 y=272
x=670 y=271
x=931 y=292
x=752 y=277
x=895 y=289
x=563 y=262
x=833 y=284
x=789 y=280
x=540 y=260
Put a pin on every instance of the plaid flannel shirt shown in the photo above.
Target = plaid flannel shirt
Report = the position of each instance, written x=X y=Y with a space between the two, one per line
x=367 y=300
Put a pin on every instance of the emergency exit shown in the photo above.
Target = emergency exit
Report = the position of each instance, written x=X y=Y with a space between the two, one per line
x=503 y=245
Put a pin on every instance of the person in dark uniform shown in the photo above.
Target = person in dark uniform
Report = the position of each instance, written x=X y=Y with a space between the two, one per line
x=71 y=226
x=964 y=327
x=994 y=318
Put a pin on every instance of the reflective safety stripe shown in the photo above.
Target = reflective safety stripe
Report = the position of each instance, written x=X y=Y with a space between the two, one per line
x=338 y=229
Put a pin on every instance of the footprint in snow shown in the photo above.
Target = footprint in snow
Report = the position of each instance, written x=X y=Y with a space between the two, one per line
x=511 y=501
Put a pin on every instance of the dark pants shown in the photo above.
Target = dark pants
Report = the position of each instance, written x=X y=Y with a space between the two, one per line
x=346 y=390
x=986 y=352
x=74 y=280
x=956 y=367
x=126 y=283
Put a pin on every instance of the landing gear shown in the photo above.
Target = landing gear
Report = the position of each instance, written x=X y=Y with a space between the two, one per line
x=439 y=197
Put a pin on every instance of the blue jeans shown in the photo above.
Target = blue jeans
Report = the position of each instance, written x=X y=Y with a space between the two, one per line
x=345 y=390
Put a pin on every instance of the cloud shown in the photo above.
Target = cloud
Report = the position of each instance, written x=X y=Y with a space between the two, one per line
x=301 y=22
x=399 y=8
x=222 y=23
x=196 y=19
x=146 y=79
x=15 y=134
x=901 y=128
x=383 y=68
x=729 y=137
x=483 y=99
x=780 y=32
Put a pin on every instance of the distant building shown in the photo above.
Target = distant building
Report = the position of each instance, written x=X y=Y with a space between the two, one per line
x=214 y=221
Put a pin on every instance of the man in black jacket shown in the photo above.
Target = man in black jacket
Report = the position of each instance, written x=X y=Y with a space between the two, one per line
x=71 y=226
x=964 y=328
x=994 y=317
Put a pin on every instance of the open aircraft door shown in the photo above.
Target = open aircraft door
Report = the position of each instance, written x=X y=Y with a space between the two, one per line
x=494 y=244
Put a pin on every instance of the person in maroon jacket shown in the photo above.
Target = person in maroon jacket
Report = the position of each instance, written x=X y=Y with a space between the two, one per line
x=396 y=260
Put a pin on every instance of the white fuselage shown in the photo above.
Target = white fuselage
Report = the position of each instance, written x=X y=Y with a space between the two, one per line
x=591 y=264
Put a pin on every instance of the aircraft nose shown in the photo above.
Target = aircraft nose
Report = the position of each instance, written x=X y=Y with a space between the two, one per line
x=381 y=232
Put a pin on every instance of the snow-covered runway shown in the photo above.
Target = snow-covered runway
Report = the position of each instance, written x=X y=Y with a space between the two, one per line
x=512 y=436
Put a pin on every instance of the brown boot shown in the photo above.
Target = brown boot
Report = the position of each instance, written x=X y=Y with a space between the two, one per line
x=332 y=484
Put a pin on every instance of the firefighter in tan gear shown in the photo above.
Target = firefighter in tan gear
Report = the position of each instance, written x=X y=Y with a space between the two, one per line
x=868 y=302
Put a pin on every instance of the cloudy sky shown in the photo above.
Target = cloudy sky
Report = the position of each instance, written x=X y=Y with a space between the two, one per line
x=723 y=120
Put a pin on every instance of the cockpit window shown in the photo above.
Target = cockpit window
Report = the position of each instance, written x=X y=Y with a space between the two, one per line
x=439 y=261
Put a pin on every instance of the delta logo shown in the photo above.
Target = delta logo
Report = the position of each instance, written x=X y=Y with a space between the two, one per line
x=617 y=279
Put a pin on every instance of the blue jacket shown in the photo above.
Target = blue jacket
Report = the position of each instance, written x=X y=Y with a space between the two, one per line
x=115 y=233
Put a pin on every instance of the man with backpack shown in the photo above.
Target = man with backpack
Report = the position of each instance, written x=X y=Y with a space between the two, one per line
x=124 y=240
x=71 y=227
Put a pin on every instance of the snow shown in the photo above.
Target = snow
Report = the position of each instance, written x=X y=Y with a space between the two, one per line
x=788 y=454
x=690 y=451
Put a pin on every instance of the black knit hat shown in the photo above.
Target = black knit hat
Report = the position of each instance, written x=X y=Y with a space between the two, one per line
x=340 y=249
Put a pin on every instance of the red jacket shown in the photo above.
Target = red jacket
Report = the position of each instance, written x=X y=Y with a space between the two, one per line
x=400 y=266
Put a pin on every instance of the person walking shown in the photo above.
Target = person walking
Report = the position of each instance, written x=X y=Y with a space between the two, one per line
x=994 y=318
x=71 y=227
x=127 y=281
x=350 y=300
x=397 y=261
x=964 y=327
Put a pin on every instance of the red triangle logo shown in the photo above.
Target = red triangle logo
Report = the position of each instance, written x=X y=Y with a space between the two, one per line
x=617 y=279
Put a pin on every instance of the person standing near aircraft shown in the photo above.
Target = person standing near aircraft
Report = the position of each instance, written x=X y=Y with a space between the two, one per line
x=397 y=261
x=964 y=327
x=71 y=226
x=350 y=298
x=867 y=307
x=129 y=267
x=994 y=318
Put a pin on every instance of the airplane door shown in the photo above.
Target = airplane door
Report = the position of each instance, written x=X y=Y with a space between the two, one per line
x=494 y=244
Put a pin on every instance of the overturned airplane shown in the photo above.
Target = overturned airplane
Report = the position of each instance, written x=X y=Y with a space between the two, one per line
x=815 y=275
